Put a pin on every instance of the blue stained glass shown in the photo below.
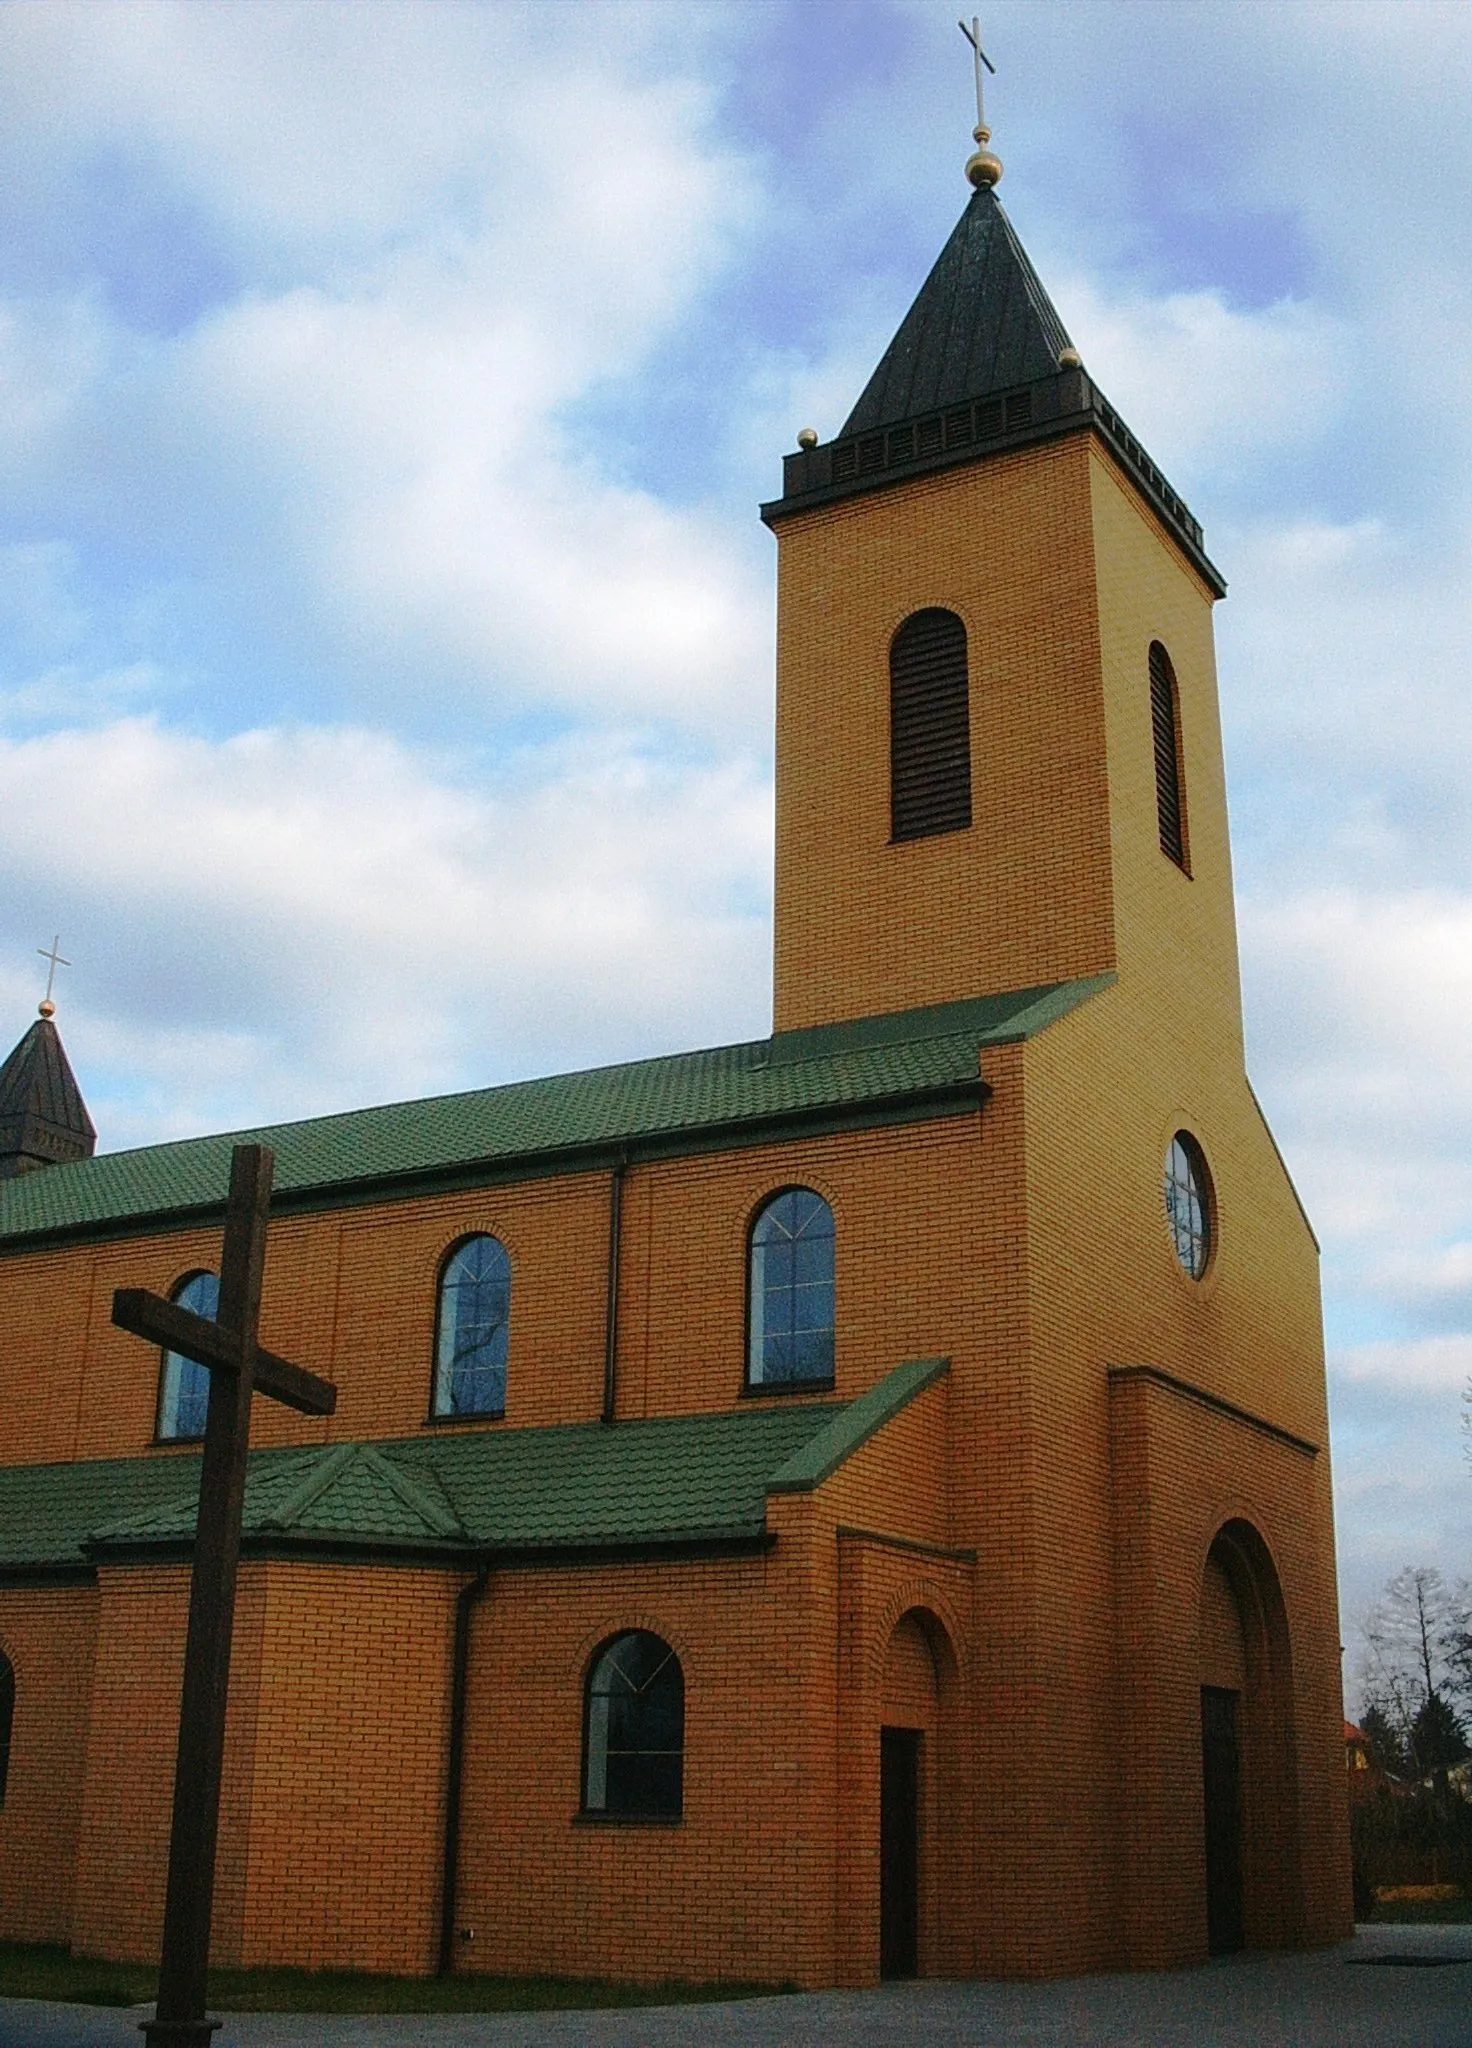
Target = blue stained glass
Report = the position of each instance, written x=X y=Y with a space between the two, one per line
x=475 y=1313
x=791 y=1333
x=1187 y=1203
x=184 y=1389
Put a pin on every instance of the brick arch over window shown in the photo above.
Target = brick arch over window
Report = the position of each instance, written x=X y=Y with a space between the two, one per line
x=1170 y=778
x=929 y=727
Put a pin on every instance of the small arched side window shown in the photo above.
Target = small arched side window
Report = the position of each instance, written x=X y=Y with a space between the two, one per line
x=1170 y=780
x=790 y=1292
x=184 y=1386
x=7 y=1718
x=471 y=1329
x=929 y=727
x=634 y=1729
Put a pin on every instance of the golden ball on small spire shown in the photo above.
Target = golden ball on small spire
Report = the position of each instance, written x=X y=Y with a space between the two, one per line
x=807 y=437
x=46 y=1007
x=983 y=168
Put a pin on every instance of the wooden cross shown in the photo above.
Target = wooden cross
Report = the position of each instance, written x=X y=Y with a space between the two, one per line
x=237 y=1367
x=973 y=36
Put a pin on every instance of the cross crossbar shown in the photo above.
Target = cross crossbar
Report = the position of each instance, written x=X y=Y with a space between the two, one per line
x=211 y=1344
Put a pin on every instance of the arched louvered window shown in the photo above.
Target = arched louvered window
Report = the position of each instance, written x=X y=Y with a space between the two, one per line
x=1170 y=786
x=929 y=727
x=7 y=1718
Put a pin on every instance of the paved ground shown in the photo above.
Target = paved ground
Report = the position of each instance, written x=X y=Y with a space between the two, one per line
x=1337 y=1998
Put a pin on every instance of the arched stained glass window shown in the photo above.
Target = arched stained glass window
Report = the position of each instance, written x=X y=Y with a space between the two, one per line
x=634 y=1729
x=929 y=727
x=471 y=1335
x=790 y=1314
x=7 y=1718
x=184 y=1386
x=1170 y=788
x=1188 y=1203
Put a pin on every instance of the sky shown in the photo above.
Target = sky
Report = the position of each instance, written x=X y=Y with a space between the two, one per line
x=386 y=393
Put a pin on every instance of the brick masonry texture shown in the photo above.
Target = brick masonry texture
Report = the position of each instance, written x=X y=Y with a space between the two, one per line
x=1118 y=1491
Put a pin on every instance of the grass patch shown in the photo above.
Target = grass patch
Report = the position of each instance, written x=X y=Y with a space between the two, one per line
x=28 y=1971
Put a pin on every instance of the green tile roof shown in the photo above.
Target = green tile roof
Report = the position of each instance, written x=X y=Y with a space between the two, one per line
x=874 y=1066
x=685 y=1479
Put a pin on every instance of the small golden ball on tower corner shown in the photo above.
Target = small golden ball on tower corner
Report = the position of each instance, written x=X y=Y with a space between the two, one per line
x=807 y=437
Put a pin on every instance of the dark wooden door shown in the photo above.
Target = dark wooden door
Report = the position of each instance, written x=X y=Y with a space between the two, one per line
x=899 y=1851
x=1221 y=1774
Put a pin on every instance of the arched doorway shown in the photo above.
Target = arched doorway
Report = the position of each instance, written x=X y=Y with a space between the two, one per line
x=916 y=1667
x=1247 y=1775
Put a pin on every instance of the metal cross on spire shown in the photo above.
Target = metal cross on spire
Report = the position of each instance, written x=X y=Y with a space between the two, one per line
x=982 y=168
x=973 y=36
x=48 y=1008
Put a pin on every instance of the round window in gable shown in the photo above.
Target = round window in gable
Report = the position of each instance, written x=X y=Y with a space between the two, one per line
x=1188 y=1204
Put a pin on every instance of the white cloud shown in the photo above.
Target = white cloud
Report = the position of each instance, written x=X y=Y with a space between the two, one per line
x=1213 y=389
x=336 y=921
x=1433 y=1365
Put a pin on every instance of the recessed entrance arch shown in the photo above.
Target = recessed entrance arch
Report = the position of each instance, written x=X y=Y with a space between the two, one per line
x=1247 y=1751
x=917 y=1704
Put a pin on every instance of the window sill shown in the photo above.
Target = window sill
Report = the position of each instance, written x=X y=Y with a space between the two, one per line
x=464 y=1421
x=782 y=1390
x=583 y=1819
x=176 y=1443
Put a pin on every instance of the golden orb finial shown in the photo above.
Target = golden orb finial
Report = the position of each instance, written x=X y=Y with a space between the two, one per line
x=983 y=168
x=46 y=1008
x=807 y=437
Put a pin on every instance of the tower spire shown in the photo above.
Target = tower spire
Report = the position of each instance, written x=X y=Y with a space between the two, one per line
x=982 y=168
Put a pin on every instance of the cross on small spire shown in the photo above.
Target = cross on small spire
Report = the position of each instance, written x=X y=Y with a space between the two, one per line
x=973 y=36
x=47 y=1007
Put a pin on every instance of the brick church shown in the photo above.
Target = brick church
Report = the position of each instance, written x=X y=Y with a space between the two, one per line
x=851 y=1504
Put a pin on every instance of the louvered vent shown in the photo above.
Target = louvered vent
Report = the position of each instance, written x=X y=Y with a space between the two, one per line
x=1170 y=797
x=929 y=727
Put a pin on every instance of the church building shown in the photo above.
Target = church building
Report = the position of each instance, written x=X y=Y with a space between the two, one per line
x=852 y=1504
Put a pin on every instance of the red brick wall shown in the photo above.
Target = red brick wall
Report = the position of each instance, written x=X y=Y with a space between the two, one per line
x=49 y=1635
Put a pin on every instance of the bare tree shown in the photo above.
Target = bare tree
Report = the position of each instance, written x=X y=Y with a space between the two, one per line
x=1417 y=1653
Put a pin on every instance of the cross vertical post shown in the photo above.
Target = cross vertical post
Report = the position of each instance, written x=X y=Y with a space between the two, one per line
x=237 y=1365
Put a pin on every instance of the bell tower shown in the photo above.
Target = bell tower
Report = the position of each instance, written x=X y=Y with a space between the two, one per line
x=972 y=575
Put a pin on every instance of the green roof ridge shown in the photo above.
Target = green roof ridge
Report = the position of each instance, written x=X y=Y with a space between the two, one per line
x=820 y=1457
x=436 y=1515
x=321 y=1471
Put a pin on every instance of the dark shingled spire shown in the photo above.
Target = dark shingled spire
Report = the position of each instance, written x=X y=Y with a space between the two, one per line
x=981 y=364
x=43 y=1119
x=981 y=324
